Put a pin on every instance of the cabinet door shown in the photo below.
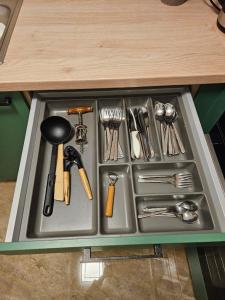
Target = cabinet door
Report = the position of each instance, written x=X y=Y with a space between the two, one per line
x=13 y=122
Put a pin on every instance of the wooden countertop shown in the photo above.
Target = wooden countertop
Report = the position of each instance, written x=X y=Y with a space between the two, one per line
x=70 y=44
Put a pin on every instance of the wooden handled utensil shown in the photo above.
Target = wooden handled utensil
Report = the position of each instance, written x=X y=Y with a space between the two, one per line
x=79 y=110
x=59 y=191
x=110 y=195
x=72 y=155
x=80 y=128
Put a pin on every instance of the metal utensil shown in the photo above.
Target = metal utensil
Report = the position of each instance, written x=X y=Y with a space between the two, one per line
x=147 y=124
x=187 y=216
x=72 y=155
x=179 y=180
x=179 y=208
x=80 y=128
x=113 y=177
x=56 y=130
x=159 y=115
x=134 y=133
x=111 y=118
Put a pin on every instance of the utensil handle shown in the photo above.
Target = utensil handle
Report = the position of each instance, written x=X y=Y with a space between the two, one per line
x=66 y=179
x=153 y=181
x=135 y=143
x=163 y=138
x=174 y=142
x=166 y=140
x=110 y=139
x=110 y=201
x=182 y=150
x=152 y=152
x=85 y=183
x=80 y=109
x=170 y=146
x=59 y=193
x=147 y=176
x=49 y=196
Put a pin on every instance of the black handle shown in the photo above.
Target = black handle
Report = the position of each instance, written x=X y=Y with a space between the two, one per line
x=6 y=101
x=49 y=196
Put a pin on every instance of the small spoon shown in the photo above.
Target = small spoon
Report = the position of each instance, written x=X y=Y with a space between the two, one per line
x=171 y=116
x=170 y=136
x=159 y=115
x=187 y=216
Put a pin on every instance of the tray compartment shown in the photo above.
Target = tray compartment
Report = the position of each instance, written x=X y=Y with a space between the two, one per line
x=112 y=103
x=80 y=217
x=180 y=124
x=123 y=219
x=164 y=224
x=146 y=102
x=164 y=169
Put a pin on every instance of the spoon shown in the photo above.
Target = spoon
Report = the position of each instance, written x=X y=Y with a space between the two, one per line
x=179 y=207
x=56 y=130
x=187 y=216
x=171 y=117
x=186 y=205
x=159 y=115
x=170 y=137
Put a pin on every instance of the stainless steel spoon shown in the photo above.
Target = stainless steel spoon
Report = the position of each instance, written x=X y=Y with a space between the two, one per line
x=159 y=115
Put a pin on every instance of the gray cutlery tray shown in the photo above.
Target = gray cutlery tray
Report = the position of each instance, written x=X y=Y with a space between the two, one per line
x=85 y=218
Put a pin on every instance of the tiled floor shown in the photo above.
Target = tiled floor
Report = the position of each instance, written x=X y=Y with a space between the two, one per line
x=62 y=276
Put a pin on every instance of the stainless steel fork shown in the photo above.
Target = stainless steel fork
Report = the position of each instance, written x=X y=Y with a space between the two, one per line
x=179 y=180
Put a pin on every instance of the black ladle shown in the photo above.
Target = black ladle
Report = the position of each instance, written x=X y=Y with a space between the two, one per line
x=56 y=130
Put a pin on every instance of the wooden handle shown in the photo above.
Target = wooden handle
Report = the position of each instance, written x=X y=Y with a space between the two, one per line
x=85 y=183
x=58 y=191
x=80 y=109
x=66 y=176
x=109 y=201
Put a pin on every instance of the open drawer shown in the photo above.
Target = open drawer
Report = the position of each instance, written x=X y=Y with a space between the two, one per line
x=82 y=223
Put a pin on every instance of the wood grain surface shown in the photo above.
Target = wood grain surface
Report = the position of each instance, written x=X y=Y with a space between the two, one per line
x=75 y=44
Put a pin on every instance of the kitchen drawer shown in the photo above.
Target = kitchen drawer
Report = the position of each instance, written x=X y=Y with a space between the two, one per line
x=79 y=226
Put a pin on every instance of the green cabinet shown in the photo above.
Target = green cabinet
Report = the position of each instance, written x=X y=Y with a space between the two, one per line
x=13 y=122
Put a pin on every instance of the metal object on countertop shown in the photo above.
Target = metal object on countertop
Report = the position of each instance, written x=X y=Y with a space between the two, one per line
x=221 y=18
x=173 y=2
x=80 y=128
x=113 y=177
x=179 y=180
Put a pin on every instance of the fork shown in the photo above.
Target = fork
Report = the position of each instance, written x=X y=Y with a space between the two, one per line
x=117 y=119
x=109 y=117
x=179 y=180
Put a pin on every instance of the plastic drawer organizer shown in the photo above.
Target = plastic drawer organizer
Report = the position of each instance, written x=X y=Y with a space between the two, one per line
x=84 y=219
